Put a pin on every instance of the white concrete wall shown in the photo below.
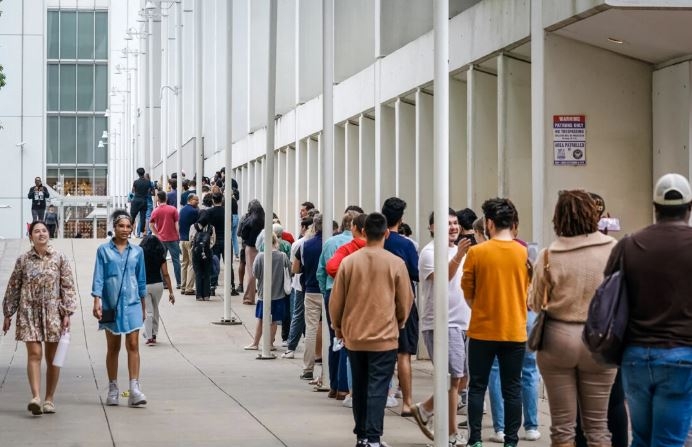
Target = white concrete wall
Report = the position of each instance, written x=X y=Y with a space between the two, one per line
x=614 y=93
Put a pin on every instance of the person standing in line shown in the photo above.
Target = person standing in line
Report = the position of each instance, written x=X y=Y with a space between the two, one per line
x=297 y=295
x=138 y=206
x=216 y=214
x=51 y=220
x=338 y=387
x=164 y=225
x=393 y=209
x=172 y=196
x=41 y=292
x=250 y=227
x=371 y=299
x=235 y=220
x=120 y=284
x=202 y=238
x=189 y=214
x=457 y=324
x=150 y=201
x=277 y=296
x=38 y=194
x=495 y=282
x=185 y=193
x=157 y=272
x=657 y=359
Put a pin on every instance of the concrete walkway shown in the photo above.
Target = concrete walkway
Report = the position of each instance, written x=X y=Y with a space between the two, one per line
x=202 y=388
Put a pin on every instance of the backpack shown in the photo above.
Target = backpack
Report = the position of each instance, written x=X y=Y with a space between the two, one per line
x=608 y=317
x=201 y=245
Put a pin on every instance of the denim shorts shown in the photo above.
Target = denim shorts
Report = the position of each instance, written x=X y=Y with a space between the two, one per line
x=457 y=350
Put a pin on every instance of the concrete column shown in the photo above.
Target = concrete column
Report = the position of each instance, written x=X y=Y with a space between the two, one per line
x=351 y=166
x=302 y=173
x=386 y=144
x=405 y=155
x=366 y=156
x=457 y=144
x=289 y=218
x=423 y=205
x=312 y=165
x=339 y=177
x=482 y=136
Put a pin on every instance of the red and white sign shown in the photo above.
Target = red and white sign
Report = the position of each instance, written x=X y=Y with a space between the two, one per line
x=569 y=140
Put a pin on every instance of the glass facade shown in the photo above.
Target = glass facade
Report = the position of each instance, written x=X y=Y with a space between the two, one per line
x=77 y=98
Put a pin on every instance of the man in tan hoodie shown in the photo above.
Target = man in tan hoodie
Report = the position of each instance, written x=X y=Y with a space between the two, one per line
x=371 y=299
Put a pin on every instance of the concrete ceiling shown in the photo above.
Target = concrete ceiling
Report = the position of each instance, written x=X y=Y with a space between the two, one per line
x=650 y=35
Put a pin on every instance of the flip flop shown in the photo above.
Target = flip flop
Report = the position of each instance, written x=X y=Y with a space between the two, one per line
x=251 y=348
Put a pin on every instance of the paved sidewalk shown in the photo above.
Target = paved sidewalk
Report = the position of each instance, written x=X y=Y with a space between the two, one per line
x=202 y=388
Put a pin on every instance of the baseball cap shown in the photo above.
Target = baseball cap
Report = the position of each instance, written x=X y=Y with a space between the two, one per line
x=666 y=188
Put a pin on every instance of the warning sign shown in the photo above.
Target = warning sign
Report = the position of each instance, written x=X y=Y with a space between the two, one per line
x=569 y=140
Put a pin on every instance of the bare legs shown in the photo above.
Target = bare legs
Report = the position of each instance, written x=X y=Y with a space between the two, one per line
x=132 y=345
x=258 y=333
x=453 y=394
x=34 y=351
x=404 y=370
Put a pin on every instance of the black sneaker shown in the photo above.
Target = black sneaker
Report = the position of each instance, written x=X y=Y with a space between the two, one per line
x=307 y=375
x=234 y=292
x=362 y=443
x=239 y=289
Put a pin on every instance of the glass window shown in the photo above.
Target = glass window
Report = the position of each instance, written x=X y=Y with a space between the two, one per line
x=101 y=35
x=52 y=178
x=101 y=153
x=68 y=34
x=100 y=181
x=68 y=80
x=101 y=88
x=53 y=88
x=53 y=35
x=69 y=181
x=85 y=139
x=85 y=186
x=52 y=140
x=85 y=88
x=85 y=35
x=68 y=139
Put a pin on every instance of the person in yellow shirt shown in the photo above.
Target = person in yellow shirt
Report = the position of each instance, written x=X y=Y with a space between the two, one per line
x=495 y=284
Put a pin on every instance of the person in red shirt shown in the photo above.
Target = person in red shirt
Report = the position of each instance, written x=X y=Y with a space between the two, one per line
x=164 y=225
x=348 y=248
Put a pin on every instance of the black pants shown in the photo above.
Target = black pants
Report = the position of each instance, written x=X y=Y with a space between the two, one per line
x=218 y=250
x=37 y=214
x=372 y=372
x=51 y=230
x=286 y=321
x=618 y=422
x=139 y=206
x=202 y=278
x=510 y=356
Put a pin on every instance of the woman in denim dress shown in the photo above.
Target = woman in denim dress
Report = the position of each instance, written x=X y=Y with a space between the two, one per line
x=120 y=283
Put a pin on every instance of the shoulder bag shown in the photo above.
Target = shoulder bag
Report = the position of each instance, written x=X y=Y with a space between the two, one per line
x=535 y=342
x=109 y=315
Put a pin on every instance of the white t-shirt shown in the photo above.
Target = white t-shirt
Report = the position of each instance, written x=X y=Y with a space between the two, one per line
x=294 y=249
x=459 y=311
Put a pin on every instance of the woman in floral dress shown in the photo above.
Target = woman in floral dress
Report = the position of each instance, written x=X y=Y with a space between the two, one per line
x=41 y=292
x=120 y=283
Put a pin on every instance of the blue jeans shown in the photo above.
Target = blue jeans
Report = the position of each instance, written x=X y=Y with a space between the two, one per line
x=529 y=390
x=297 y=319
x=234 y=234
x=173 y=247
x=150 y=209
x=658 y=386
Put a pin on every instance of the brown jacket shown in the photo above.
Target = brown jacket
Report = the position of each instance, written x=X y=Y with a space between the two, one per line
x=576 y=271
x=370 y=300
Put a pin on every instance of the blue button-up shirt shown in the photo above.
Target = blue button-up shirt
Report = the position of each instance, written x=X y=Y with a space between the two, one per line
x=110 y=271
x=333 y=243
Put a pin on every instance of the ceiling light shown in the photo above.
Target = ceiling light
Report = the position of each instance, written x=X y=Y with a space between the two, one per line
x=104 y=135
x=615 y=40
x=101 y=145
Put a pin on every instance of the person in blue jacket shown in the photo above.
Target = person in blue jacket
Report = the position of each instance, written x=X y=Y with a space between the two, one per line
x=119 y=283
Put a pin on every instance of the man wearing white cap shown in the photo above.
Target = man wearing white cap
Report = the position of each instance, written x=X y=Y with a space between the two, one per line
x=657 y=361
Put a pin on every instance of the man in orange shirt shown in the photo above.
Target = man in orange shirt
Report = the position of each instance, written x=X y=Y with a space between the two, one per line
x=495 y=283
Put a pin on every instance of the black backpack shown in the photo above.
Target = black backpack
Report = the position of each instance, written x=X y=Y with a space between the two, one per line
x=201 y=245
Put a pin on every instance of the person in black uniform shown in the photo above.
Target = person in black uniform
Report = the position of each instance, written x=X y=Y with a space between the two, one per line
x=38 y=195
x=140 y=188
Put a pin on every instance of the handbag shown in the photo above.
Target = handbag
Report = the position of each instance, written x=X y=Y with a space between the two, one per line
x=535 y=341
x=288 y=282
x=608 y=317
x=109 y=315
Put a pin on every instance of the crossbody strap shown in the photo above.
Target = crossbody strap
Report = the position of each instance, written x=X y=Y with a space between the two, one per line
x=546 y=275
x=122 y=278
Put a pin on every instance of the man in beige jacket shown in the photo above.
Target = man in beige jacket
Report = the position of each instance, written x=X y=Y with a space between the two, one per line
x=370 y=301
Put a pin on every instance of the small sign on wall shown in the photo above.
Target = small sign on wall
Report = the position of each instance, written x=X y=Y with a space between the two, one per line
x=569 y=140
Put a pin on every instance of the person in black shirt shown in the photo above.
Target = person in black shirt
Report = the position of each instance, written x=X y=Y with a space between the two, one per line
x=138 y=206
x=155 y=265
x=38 y=195
x=235 y=219
x=216 y=214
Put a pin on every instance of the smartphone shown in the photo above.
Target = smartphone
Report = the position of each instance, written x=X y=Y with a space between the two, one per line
x=471 y=237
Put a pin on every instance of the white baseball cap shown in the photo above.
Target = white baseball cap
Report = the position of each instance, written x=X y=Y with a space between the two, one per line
x=672 y=183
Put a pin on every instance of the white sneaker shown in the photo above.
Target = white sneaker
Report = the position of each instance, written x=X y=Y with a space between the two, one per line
x=457 y=439
x=348 y=401
x=288 y=355
x=284 y=343
x=532 y=435
x=136 y=398
x=391 y=402
x=113 y=394
x=498 y=437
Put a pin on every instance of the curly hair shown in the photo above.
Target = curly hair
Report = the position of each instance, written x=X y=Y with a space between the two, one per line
x=501 y=211
x=576 y=213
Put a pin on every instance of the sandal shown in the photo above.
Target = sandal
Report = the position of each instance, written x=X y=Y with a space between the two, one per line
x=251 y=348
